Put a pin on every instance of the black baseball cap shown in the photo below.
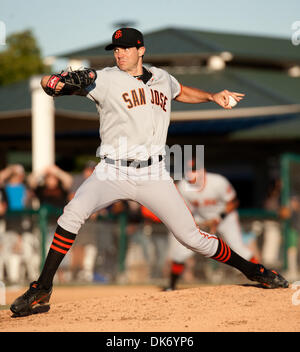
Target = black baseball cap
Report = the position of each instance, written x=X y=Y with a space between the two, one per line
x=126 y=37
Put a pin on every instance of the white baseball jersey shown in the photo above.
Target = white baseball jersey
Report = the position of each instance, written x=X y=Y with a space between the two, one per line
x=140 y=113
x=134 y=117
x=209 y=200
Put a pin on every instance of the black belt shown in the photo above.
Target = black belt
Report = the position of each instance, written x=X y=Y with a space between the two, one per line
x=134 y=163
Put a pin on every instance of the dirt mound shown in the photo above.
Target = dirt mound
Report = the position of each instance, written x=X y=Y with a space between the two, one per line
x=147 y=309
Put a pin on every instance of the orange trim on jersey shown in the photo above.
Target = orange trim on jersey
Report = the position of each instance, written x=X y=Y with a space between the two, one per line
x=63 y=238
x=58 y=249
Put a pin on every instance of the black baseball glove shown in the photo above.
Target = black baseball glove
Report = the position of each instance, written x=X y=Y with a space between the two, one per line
x=74 y=82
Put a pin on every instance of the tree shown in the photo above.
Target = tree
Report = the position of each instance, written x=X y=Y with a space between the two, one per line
x=21 y=59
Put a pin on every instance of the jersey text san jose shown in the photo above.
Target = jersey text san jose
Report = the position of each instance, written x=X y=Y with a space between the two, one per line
x=136 y=98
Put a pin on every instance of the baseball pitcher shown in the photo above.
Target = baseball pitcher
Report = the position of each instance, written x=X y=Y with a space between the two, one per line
x=134 y=105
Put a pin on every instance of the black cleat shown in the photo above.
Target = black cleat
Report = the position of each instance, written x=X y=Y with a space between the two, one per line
x=268 y=278
x=35 y=296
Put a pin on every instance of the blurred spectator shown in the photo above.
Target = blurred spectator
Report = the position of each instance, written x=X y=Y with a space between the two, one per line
x=51 y=187
x=271 y=227
x=3 y=207
x=18 y=225
x=80 y=178
x=13 y=180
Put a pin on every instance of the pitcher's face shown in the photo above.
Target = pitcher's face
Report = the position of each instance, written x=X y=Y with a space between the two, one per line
x=129 y=59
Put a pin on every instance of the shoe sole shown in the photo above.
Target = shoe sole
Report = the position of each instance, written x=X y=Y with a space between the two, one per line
x=271 y=283
x=36 y=310
x=30 y=309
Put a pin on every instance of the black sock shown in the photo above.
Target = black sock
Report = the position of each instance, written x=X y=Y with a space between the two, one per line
x=61 y=243
x=226 y=255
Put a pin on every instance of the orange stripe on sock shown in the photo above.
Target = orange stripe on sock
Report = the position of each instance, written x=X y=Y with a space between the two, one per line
x=63 y=238
x=221 y=251
x=58 y=249
x=224 y=253
x=254 y=260
x=62 y=244
x=177 y=268
x=228 y=256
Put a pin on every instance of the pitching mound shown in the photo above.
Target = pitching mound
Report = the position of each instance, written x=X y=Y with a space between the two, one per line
x=147 y=309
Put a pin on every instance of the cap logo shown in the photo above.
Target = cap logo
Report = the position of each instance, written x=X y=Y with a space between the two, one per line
x=139 y=42
x=118 y=34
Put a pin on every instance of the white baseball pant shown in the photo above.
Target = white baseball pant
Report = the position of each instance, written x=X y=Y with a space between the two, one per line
x=150 y=186
x=229 y=229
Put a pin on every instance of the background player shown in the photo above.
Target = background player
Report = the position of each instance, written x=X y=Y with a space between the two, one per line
x=133 y=103
x=213 y=203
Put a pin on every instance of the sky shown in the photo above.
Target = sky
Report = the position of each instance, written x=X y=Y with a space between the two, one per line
x=61 y=26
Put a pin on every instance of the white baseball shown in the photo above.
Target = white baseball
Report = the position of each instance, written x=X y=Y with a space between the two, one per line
x=232 y=101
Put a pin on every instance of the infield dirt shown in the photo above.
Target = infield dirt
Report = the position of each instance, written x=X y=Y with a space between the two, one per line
x=225 y=308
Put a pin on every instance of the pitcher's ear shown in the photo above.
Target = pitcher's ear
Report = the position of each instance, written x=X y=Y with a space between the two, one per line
x=141 y=51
